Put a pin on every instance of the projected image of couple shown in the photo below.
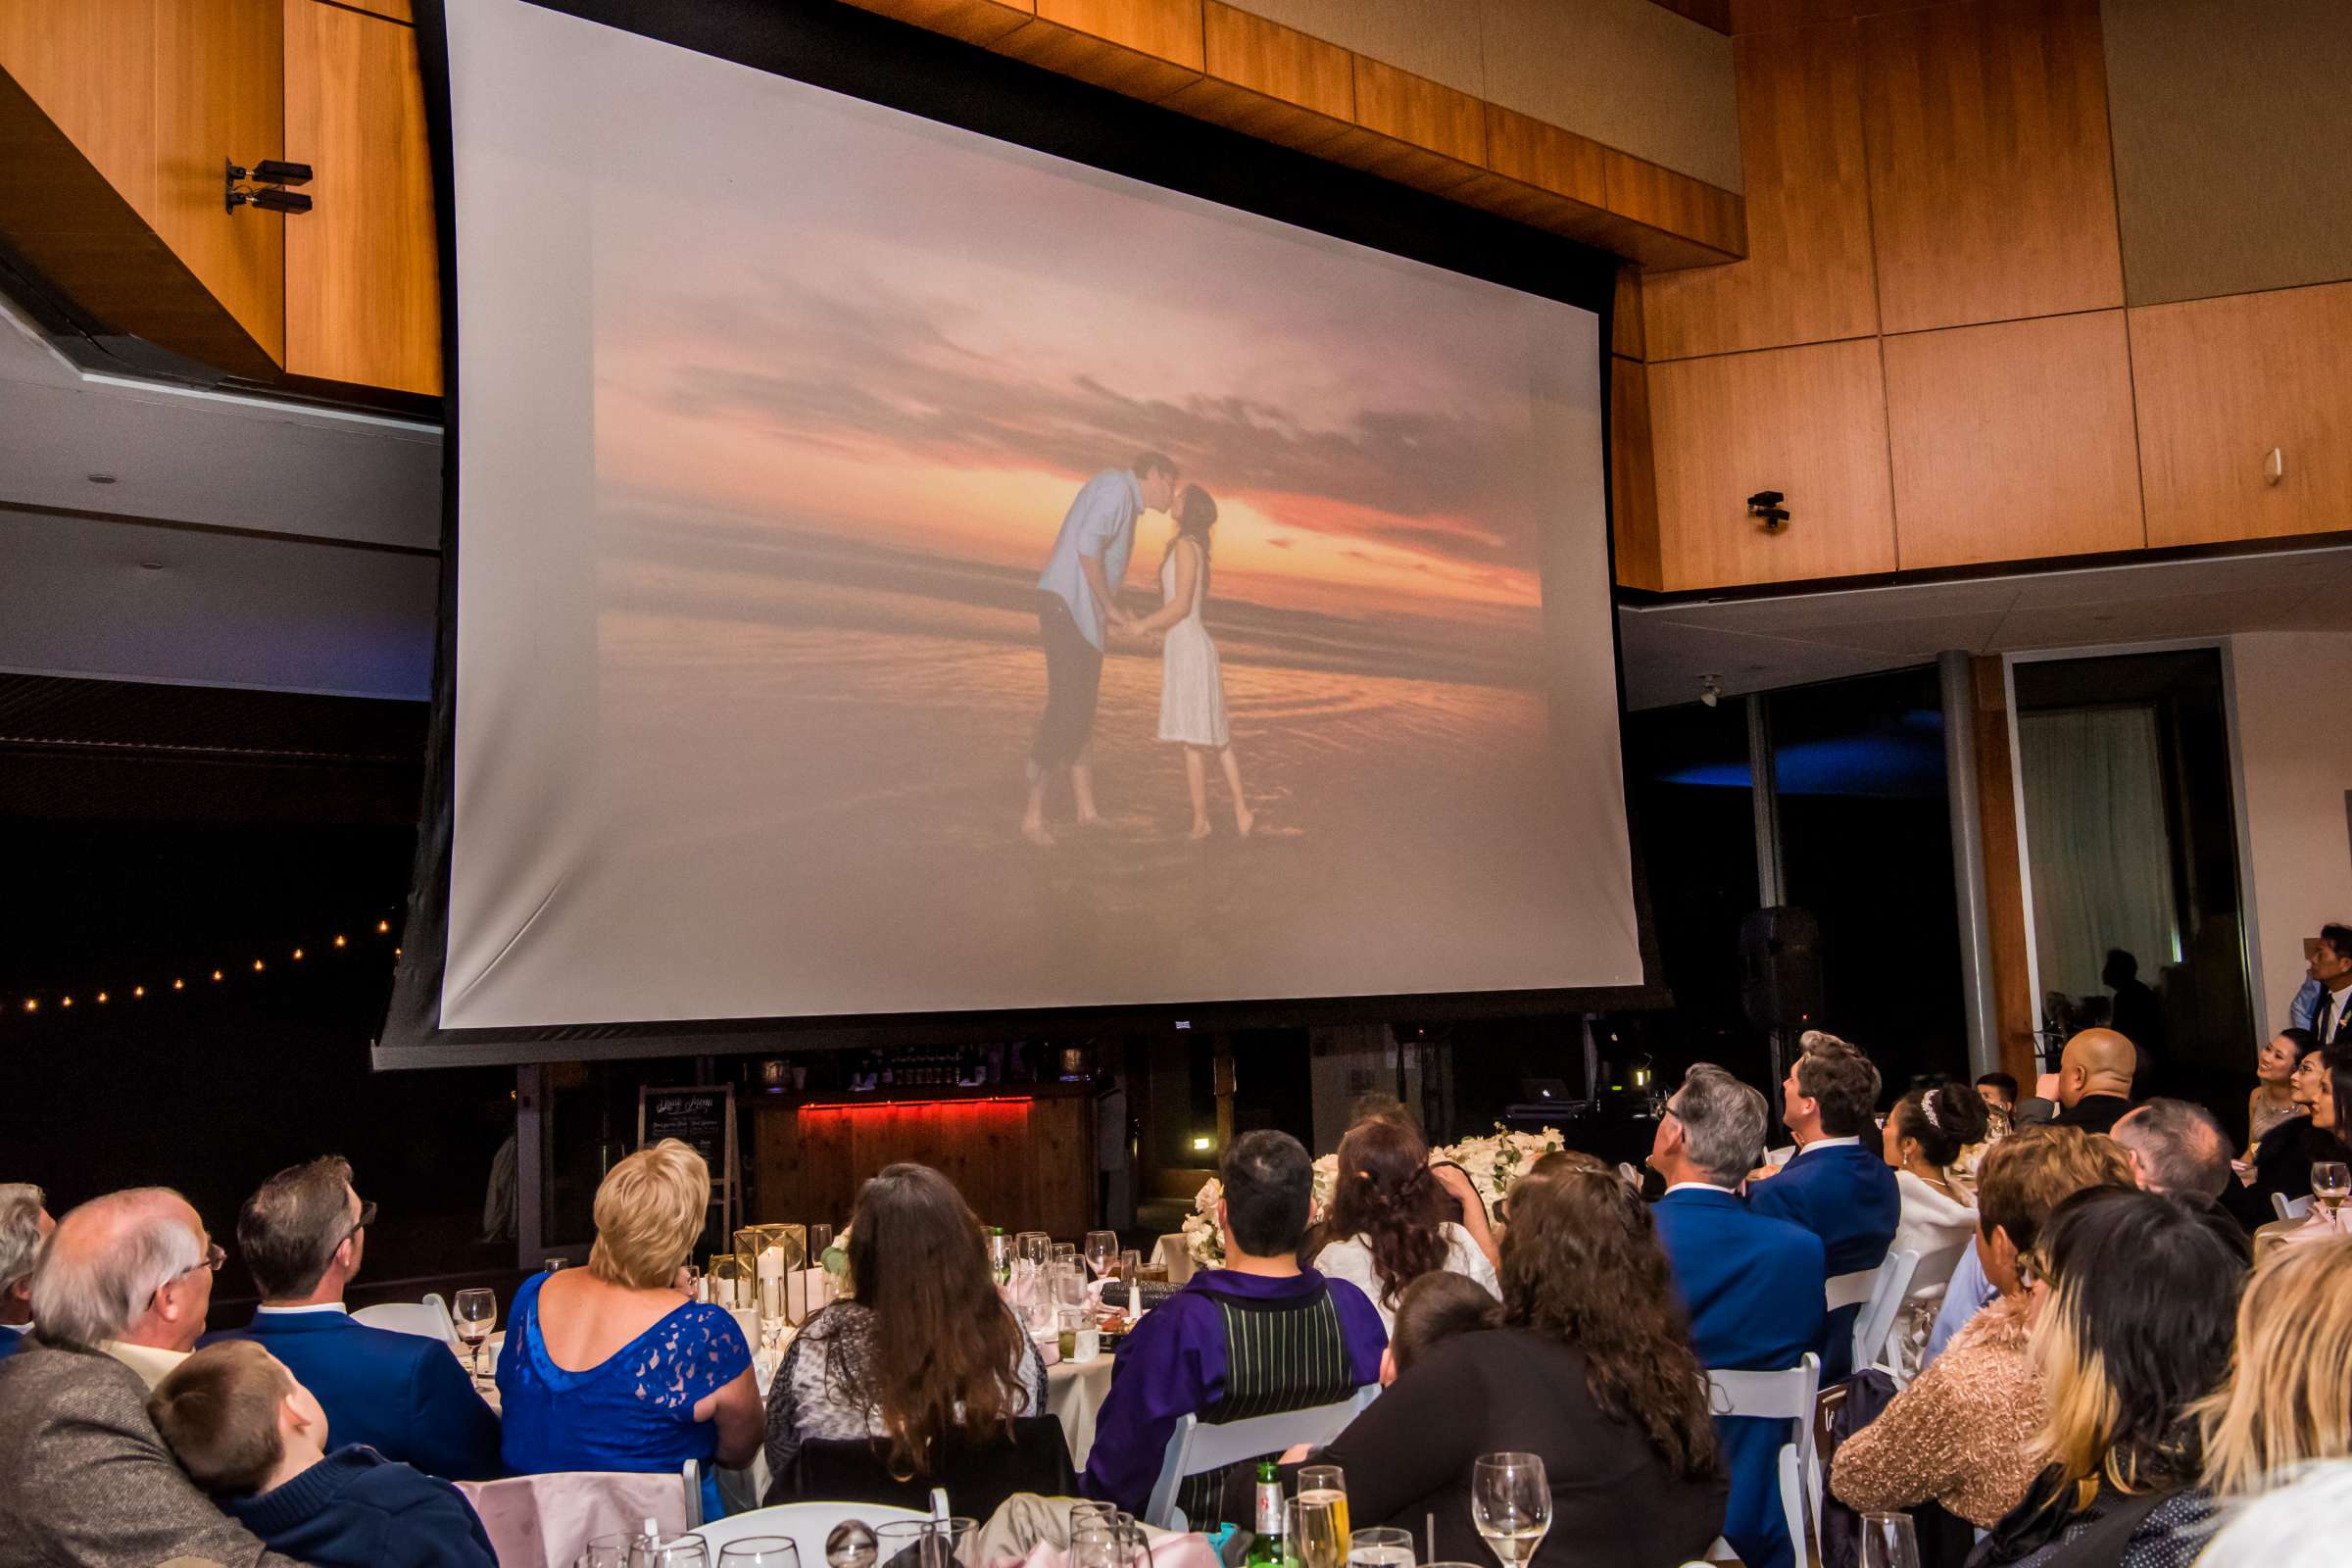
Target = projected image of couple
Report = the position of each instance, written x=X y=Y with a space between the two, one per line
x=1079 y=610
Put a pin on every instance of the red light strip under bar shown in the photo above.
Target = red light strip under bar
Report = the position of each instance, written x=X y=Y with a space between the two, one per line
x=913 y=1105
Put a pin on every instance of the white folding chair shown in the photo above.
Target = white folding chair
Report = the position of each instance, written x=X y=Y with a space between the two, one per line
x=2291 y=1208
x=547 y=1521
x=1783 y=1396
x=428 y=1317
x=1890 y=1283
x=1196 y=1445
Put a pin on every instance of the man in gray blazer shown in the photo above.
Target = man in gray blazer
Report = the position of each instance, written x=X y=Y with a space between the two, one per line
x=84 y=1480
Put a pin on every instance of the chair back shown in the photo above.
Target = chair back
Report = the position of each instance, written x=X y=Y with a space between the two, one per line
x=805 y=1524
x=1938 y=1267
x=1875 y=1323
x=1789 y=1395
x=428 y=1317
x=547 y=1521
x=978 y=1473
x=2291 y=1208
x=1198 y=1446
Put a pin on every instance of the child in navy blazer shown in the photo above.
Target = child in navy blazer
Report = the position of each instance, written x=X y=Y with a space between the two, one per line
x=247 y=1431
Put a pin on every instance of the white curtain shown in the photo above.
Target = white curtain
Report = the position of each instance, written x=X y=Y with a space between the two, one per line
x=2103 y=870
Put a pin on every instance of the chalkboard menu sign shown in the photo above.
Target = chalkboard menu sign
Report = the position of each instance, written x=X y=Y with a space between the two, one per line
x=702 y=1117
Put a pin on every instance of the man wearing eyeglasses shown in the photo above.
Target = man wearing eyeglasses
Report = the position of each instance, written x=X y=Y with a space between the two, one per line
x=303 y=1234
x=118 y=1298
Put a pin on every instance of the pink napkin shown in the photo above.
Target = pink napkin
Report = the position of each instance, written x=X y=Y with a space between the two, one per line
x=1188 y=1550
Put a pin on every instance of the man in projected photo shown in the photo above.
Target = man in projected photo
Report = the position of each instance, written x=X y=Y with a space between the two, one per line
x=1078 y=600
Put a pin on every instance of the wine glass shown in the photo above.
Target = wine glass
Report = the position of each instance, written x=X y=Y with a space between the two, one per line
x=1314 y=1531
x=670 y=1552
x=759 y=1551
x=1327 y=1483
x=2330 y=1184
x=1888 y=1541
x=1034 y=1246
x=1510 y=1503
x=475 y=1312
x=1102 y=1250
x=608 y=1551
x=1379 y=1548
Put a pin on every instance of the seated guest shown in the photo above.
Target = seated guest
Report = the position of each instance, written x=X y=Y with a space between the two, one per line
x=922 y=1343
x=1433 y=1310
x=1751 y=1285
x=1834 y=1186
x=2288 y=1401
x=2332 y=970
x=1925 y=1133
x=2273 y=1099
x=83 y=1476
x=1385 y=1209
x=2298 y=1524
x=2138 y=1303
x=611 y=1367
x=2094 y=1080
x=24 y=1226
x=1591 y=1370
x=2179 y=1150
x=2284 y=1159
x=1962 y=1434
x=1458 y=1203
x=1258 y=1334
x=1998 y=1091
x=251 y=1434
x=2326 y=1076
x=303 y=1234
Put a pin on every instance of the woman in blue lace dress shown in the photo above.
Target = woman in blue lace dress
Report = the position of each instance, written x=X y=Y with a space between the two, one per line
x=610 y=1367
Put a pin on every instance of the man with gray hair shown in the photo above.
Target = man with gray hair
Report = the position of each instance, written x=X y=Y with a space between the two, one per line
x=24 y=1224
x=2179 y=1150
x=1753 y=1284
x=120 y=1288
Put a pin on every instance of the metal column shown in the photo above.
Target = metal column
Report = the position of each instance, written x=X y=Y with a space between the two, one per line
x=1968 y=861
x=1764 y=793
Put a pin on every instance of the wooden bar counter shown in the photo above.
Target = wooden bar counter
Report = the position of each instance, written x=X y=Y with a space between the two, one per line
x=1022 y=1154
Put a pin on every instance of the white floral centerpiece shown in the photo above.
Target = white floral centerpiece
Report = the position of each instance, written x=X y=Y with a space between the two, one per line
x=1493 y=1164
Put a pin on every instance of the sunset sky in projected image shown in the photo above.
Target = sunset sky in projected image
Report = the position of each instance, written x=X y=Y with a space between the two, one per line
x=924 y=340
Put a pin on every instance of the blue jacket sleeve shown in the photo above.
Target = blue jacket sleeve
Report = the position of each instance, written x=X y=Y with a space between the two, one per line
x=456 y=1433
x=441 y=1530
x=1159 y=1376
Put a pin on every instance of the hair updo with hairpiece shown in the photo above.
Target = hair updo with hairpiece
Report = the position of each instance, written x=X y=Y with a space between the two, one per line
x=1945 y=1118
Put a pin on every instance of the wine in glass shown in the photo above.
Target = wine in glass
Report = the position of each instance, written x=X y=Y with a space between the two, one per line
x=2331 y=1184
x=1102 y=1250
x=1510 y=1503
x=1315 y=1536
x=475 y=1313
x=1379 y=1548
x=1327 y=1483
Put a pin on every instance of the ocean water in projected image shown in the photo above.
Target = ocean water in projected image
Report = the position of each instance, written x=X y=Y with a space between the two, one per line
x=881 y=703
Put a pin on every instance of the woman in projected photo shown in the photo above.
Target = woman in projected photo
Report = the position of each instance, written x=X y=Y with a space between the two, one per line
x=1192 y=691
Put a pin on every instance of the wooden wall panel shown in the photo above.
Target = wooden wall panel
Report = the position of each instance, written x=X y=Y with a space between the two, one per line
x=1993 y=193
x=1417 y=131
x=980 y=22
x=363 y=275
x=1025 y=1165
x=1629 y=73
x=2013 y=441
x=1633 y=477
x=1676 y=203
x=1808 y=421
x=1808 y=276
x=1145 y=49
x=1265 y=80
x=1439 y=39
x=2222 y=381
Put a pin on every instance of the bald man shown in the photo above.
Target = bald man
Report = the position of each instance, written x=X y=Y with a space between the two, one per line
x=2094 y=1080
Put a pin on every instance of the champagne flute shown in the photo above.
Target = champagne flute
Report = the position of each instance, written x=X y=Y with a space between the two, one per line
x=1888 y=1541
x=1101 y=1252
x=1313 y=1533
x=475 y=1312
x=1328 y=1483
x=2330 y=1184
x=1510 y=1503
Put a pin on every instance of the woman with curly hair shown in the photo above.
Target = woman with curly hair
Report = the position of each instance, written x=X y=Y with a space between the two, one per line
x=1590 y=1369
x=1385 y=1217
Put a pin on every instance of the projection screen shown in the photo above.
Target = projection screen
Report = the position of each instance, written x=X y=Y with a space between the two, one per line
x=812 y=515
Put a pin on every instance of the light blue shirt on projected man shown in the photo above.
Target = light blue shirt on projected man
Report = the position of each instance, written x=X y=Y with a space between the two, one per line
x=1101 y=522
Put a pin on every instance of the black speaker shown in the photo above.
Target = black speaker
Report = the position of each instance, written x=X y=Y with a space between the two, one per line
x=1780 y=968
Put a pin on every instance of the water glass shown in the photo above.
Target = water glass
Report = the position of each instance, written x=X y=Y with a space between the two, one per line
x=475 y=1313
x=921 y=1542
x=759 y=1551
x=1510 y=1503
x=1034 y=1246
x=670 y=1552
x=1888 y=1541
x=1379 y=1548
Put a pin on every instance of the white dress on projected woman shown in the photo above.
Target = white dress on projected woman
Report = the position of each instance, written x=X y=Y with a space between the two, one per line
x=1192 y=690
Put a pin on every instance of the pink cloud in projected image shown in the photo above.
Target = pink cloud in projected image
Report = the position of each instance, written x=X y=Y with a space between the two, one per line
x=940 y=367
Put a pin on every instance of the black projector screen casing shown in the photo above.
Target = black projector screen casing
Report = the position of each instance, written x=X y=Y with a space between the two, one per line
x=840 y=48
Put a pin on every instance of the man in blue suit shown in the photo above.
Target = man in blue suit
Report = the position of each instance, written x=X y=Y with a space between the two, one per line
x=1752 y=1285
x=1837 y=1186
x=403 y=1395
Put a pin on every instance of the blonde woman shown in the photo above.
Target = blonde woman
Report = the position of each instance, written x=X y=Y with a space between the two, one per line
x=613 y=1366
x=2136 y=1300
x=2289 y=1397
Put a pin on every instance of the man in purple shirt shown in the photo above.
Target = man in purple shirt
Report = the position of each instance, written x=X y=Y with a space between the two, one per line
x=1258 y=1336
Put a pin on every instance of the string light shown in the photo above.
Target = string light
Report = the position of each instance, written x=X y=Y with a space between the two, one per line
x=65 y=1002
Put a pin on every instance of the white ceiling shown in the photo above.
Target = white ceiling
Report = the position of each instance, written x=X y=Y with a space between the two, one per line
x=1792 y=639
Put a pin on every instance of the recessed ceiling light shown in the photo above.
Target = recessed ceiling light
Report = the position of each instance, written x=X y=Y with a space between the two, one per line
x=101 y=478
